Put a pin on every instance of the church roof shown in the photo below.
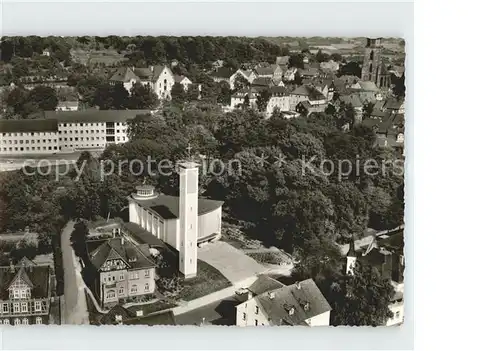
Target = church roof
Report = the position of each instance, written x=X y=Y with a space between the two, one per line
x=168 y=206
x=143 y=236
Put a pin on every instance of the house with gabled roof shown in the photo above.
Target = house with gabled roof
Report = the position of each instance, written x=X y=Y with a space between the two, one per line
x=183 y=80
x=159 y=77
x=224 y=74
x=25 y=293
x=308 y=93
x=385 y=253
x=122 y=270
x=248 y=74
x=271 y=303
x=273 y=71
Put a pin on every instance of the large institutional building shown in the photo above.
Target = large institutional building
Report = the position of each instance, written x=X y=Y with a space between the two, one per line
x=62 y=131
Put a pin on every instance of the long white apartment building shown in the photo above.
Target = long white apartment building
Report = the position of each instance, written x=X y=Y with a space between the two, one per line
x=62 y=131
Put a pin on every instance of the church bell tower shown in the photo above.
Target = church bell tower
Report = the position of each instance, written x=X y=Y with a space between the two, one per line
x=188 y=218
x=372 y=59
x=373 y=68
x=351 y=258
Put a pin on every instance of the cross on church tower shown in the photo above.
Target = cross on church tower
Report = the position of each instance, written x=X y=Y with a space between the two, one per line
x=189 y=151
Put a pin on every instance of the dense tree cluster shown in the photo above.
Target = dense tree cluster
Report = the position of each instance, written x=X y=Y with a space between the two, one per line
x=21 y=103
x=275 y=180
x=28 y=46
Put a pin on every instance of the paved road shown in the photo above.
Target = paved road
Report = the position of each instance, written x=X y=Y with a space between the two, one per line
x=221 y=312
x=231 y=262
x=75 y=311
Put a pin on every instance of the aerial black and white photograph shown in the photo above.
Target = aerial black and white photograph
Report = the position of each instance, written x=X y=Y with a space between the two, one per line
x=202 y=181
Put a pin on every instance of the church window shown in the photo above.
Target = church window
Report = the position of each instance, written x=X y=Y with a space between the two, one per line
x=371 y=68
x=371 y=55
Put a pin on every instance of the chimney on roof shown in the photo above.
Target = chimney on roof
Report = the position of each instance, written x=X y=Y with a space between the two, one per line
x=122 y=240
x=12 y=268
x=152 y=68
x=133 y=68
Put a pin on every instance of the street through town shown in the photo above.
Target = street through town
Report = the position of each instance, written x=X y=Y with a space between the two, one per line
x=75 y=311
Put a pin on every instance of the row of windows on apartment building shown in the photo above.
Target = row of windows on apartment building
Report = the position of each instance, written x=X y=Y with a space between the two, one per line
x=45 y=148
x=21 y=307
x=82 y=124
x=91 y=131
x=27 y=134
x=24 y=321
x=111 y=294
x=131 y=276
x=44 y=141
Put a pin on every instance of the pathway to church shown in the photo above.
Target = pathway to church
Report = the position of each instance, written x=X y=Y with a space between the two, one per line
x=231 y=262
x=75 y=305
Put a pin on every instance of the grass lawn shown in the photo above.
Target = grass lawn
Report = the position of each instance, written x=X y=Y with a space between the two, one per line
x=270 y=257
x=152 y=307
x=207 y=281
x=158 y=319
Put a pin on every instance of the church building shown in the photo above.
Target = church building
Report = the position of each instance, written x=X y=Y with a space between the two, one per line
x=374 y=69
x=183 y=222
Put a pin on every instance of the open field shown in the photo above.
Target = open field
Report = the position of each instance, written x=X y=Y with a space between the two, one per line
x=106 y=57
